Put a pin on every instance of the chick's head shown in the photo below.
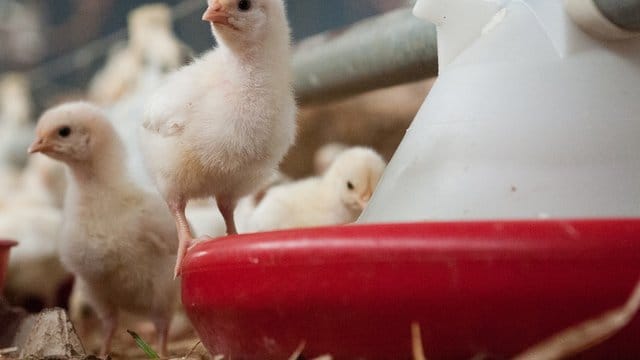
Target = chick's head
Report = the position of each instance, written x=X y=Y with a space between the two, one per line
x=354 y=175
x=71 y=132
x=240 y=20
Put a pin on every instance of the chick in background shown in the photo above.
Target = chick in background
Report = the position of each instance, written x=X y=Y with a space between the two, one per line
x=337 y=197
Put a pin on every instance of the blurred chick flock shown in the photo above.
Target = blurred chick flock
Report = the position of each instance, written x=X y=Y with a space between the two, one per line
x=94 y=202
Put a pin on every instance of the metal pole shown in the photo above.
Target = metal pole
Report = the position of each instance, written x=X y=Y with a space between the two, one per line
x=391 y=49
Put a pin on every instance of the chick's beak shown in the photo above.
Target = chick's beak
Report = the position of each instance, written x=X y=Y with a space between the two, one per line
x=364 y=201
x=39 y=145
x=216 y=14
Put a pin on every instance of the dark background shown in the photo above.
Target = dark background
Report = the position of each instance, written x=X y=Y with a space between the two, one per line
x=60 y=44
x=65 y=25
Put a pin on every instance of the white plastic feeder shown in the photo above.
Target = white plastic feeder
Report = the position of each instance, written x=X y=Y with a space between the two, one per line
x=531 y=117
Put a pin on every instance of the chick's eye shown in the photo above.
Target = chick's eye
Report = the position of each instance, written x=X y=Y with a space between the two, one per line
x=244 y=5
x=350 y=185
x=64 y=131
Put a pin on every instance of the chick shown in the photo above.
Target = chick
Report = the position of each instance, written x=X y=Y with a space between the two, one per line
x=220 y=126
x=117 y=239
x=338 y=197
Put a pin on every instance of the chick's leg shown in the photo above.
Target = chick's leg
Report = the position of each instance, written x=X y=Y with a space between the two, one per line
x=162 y=330
x=109 y=326
x=184 y=232
x=80 y=311
x=227 y=208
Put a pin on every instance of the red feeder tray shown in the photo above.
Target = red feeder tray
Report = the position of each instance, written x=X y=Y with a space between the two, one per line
x=475 y=288
x=5 y=246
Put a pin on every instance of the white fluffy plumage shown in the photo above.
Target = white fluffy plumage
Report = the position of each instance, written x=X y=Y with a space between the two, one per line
x=116 y=238
x=338 y=197
x=220 y=126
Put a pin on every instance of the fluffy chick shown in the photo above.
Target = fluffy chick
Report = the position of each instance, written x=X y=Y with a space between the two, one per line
x=220 y=126
x=338 y=197
x=117 y=239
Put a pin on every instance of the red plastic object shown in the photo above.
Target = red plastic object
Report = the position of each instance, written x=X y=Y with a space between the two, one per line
x=5 y=246
x=475 y=288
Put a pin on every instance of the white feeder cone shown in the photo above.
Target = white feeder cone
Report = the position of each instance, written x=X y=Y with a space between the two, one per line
x=530 y=117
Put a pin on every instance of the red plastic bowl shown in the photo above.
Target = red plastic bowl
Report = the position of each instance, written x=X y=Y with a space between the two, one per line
x=5 y=246
x=491 y=288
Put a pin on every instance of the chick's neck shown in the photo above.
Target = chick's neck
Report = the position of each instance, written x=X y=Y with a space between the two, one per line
x=105 y=166
x=273 y=51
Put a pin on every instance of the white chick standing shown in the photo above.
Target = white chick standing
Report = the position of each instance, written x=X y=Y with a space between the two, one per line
x=220 y=126
x=338 y=197
x=117 y=239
